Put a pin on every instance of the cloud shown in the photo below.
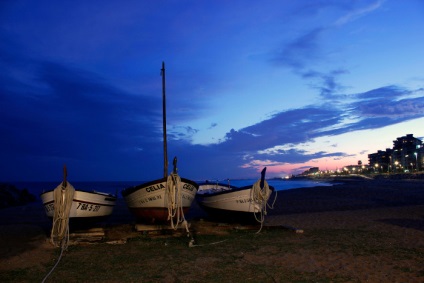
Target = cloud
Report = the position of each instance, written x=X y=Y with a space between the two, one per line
x=298 y=53
x=389 y=102
x=387 y=92
x=358 y=12
x=304 y=53
x=292 y=126
x=326 y=84
x=303 y=56
x=56 y=114
x=370 y=110
x=213 y=125
x=58 y=109
x=179 y=132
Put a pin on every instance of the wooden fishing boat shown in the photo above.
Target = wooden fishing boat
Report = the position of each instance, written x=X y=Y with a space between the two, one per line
x=71 y=208
x=85 y=204
x=230 y=203
x=166 y=199
x=88 y=205
x=149 y=202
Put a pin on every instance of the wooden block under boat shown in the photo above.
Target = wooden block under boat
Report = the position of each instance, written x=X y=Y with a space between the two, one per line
x=253 y=227
x=87 y=233
x=147 y=228
x=86 y=236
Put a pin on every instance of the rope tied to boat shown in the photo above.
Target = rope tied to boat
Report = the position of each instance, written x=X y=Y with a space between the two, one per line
x=175 y=201
x=260 y=197
x=63 y=196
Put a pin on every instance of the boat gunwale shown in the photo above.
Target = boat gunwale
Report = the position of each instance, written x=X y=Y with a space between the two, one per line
x=223 y=192
x=126 y=192
x=115 y=196
x=231 y=187
x=84 y=201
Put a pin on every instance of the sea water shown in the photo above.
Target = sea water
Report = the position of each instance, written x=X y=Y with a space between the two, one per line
x=115 y=187
x=280 y=184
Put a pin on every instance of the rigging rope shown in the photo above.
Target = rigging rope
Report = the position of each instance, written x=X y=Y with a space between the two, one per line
x=175 y=201
x=63 y=196
x=260 y=197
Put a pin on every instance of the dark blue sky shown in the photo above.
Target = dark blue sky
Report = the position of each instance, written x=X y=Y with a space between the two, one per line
x=283 y=84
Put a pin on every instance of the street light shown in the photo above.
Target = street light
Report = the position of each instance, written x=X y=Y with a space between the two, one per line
x=405 y=162
x=416 y=161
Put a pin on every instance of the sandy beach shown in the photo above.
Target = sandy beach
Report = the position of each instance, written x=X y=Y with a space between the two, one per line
x=357 y=229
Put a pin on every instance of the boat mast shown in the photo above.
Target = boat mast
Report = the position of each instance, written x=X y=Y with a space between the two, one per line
x=65 y=175
x=165 y=149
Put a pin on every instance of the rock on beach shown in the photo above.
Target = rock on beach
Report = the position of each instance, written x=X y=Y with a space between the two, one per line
x=12 y=196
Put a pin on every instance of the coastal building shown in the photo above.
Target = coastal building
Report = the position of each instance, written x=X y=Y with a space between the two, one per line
x=406 y=155
x=380 y=161
x=355 y=169
x=311 y=171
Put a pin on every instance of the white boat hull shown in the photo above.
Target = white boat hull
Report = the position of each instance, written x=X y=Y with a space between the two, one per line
x=220 y=197
x=229 y=202
x=84 y=204
x=148 y=202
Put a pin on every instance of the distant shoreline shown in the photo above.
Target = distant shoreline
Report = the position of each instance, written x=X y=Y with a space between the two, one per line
x=335 y=178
